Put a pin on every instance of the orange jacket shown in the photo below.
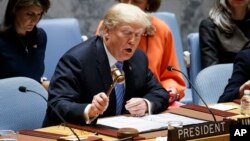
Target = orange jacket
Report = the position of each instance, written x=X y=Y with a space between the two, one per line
x=161 y=53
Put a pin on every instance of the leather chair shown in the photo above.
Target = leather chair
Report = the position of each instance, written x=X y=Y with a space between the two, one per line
x=195 y=55
x=20 y=110
x=62 y=34
x=211 y=81
x=170 y=19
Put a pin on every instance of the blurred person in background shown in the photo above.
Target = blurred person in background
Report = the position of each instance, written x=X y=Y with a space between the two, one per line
x=225 y=32
x=22 y=43
x=240 y=79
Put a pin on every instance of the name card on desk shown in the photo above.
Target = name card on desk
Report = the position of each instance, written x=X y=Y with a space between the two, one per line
x=244 y=120
x=201 y=130
x=240 y=119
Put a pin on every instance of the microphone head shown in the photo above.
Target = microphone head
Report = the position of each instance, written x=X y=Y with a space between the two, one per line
x=170 y=68
x=22 y=89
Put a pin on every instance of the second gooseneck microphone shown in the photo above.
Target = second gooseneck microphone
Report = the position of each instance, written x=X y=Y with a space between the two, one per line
x=24 y=90
x=171 y=68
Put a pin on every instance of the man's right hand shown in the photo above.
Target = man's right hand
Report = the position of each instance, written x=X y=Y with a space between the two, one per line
x=99 y=104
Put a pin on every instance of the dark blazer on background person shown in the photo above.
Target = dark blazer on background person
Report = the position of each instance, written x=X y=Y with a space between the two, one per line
x=19 y=57
x=240 y=75
x=218 y=47
x=84 y=71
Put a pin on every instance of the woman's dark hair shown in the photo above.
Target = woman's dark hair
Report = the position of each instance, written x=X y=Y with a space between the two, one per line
x=14 y=5
x=154 y=5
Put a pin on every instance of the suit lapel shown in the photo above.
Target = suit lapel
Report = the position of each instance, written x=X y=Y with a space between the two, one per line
x=103 y=65
x=105 y=74
x=129 y=77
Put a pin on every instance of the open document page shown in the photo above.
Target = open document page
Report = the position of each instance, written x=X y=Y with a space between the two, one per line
x=146 y=123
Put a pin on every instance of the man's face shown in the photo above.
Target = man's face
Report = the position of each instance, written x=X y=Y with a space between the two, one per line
x=122 y=40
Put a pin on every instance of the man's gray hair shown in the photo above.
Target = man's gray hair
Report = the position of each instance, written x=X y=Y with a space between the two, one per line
x=125 y=13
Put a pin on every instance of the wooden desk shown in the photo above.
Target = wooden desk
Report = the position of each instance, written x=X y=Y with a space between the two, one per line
x=236 y=110
x=32 y=138
x=60 y=130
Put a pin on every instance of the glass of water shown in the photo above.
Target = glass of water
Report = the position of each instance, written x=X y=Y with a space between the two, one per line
x=8 y=135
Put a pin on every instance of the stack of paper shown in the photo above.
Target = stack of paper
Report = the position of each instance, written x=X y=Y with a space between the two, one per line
x=146 y=123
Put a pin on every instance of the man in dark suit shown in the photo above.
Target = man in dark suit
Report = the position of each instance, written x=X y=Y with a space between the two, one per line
x=240 y=79
x=83 y=75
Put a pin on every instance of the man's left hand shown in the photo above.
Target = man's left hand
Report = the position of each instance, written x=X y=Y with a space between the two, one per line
x=136 y=106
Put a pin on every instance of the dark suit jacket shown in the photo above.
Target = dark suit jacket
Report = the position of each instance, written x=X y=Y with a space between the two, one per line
x=241 y=74
x=84 y=71
x=15 y=61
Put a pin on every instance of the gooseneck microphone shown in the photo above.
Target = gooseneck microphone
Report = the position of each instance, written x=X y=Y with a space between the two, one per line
x=171 y=68
x=24 y=90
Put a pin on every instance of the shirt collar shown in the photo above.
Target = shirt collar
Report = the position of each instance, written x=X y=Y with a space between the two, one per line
x=111 y=58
